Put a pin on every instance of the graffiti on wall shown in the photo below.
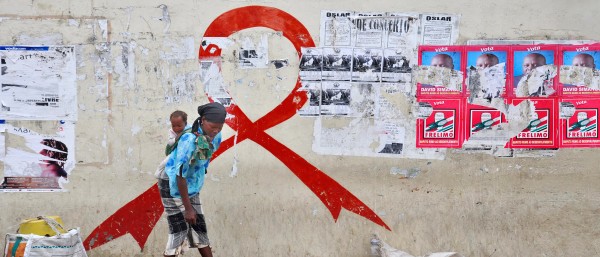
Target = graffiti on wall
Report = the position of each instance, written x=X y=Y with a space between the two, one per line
x=139 y=216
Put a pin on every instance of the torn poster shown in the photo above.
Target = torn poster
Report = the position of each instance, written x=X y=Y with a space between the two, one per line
x=40 y=156
x=440 y=74
x=178 y=48
x=2 y=139
x=253 y=52
x=486 y=73
x=439 y=123
x=311 y=63
x=579 y=70
x=337 y=64
x=369 y=29
x=313 y=91
x=397 y=65
x=210 y=69
x=38 y=82
x=359 y=136
x=366 y=65
x=542 y=130
x=579 y=122
x=379 y=248
x=391 y=136
x=484 y=128
x=336 y=28
x=533 y=70
x=385 y=108
x=401 y=30
x=439 y=29
x=382 y=136
x=348 y=99
x=344 y=136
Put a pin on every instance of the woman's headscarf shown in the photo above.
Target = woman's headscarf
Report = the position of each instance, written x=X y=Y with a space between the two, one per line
x=213 y=112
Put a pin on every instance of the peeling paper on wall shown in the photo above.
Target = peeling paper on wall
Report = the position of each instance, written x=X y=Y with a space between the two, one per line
x=356 y=136
x=518 y=116
x=432 y=75
x=38 y=82
x=486 y=84
x=336 y=28
x=103 y=24
x=403 y=31
x=166 y=18
x=253 y=52
x=348 y=99
x=280 y=63
x=124 y=69
x=39 y=39
x=210 y=69
x=214 y=84
x=382 y=249
x=491 y=130
x=2 y=139
x=580 y=76
x=538 y=83
x=178 y=49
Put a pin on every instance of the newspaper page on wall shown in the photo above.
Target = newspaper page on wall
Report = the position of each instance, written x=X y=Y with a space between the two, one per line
x=38 y=83
x=40 y=156
x=367 y=60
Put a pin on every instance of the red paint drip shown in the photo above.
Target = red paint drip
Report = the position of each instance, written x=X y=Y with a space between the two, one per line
x=139 y=216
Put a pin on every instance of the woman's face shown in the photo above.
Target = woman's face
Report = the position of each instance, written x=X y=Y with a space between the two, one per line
x=211 y=129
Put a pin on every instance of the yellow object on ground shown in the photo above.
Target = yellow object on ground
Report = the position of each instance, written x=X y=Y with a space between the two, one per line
x=38 y=226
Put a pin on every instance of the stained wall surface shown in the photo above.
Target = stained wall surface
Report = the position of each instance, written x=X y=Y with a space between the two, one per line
x=137 y=61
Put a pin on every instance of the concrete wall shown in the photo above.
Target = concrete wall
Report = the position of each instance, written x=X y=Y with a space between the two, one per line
x=473 y=204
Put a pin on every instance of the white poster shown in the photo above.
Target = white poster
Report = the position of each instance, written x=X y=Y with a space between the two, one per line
x=439 y=29
x=313 y=91
x=348 y=99
x=337 y=63
x=336 y=28
x=38 y=161
x=311 y=63
x=402 y=30
x=397 y=65
x=38 y=83
x=369 y=29
x=366 y=65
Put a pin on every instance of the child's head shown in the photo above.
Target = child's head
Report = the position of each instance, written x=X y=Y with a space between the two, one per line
x=178 y=121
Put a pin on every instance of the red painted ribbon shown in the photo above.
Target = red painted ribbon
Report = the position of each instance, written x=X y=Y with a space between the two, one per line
x=139 y=216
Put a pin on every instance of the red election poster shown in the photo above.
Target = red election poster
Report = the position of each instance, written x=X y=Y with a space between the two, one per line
x=439 y=123
x=579 y=122
x=485 y=70
x=534 y=71
x=441 y=84
x=542 y=131
x=483 y=126
x=579 y=74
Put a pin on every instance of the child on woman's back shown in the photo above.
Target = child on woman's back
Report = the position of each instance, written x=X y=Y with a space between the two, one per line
x=178 y=124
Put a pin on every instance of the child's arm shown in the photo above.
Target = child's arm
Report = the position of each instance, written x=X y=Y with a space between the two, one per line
x=172 y=137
